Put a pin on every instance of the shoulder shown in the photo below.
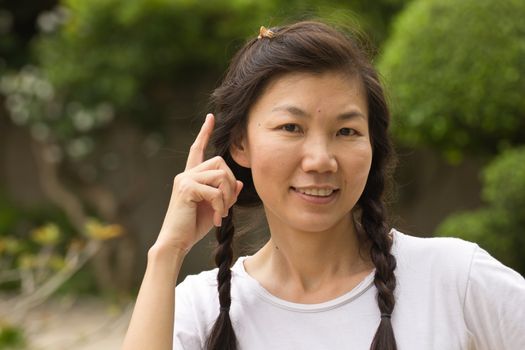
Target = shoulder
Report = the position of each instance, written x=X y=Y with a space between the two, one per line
x=196 y=304
x=437 y=266
x=491 y=277
x=197 y=296
x=203 y=279
x=450 y=262
x=443 y=252
x=203 y=286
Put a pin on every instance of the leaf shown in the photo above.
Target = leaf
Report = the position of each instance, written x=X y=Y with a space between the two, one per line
x=99 y=231
x=49 y=234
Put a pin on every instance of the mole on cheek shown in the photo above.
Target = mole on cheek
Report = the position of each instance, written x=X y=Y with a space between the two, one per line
x=319 y=110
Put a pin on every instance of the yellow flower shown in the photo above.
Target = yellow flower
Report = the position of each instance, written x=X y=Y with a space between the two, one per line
x=99 y=231
x=49 y=234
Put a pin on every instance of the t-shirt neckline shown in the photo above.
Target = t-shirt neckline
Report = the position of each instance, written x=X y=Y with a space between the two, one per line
x=266 y=296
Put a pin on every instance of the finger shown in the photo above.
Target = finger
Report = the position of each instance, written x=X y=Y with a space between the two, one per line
x=219 y=178
x=238 y=188
x=215 y=178
x=217 y=219
x=217 y=163
x=214 y=197
x=197 y=149
x=233 y=199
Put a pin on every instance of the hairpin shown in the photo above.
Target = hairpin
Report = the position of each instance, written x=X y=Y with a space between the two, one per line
x=265 y=33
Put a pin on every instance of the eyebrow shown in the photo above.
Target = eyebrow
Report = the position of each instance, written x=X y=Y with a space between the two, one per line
x=298 y=112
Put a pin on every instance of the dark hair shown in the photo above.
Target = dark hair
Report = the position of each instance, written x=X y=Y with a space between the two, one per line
x=315 y=47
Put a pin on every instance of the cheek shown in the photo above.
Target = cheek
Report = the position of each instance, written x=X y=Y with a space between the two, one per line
x=269 y=154
x=358 y=166
x=271 y=166
x=267 y=161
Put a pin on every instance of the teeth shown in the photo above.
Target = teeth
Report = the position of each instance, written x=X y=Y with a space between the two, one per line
x=319 y=192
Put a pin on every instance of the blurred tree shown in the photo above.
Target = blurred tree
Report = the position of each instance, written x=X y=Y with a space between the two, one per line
x=132 y=54
x=39 y=254
x=105 y=64
x=456 y=71
x=499 y=226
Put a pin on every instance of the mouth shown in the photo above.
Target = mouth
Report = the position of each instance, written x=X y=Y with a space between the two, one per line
x=316 y=191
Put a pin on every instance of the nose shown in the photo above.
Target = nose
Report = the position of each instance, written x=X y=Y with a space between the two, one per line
x=318 y=156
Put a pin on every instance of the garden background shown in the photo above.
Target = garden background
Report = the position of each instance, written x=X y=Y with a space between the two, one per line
x=100 y=100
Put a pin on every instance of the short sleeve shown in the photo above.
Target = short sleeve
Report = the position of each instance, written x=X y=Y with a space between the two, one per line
x=494 y=304
x=185 y=335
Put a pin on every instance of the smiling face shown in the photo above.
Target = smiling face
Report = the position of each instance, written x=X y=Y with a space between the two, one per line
x=307 y=143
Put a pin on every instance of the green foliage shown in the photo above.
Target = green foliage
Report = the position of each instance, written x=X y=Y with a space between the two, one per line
x=505 y=183
x=99 y=60
x=19 y=222
x=489 y=229
x=456 y=73
x=96 y=61
x=373 y=17
x=499 y=226
x=11 y=337
x=131 y=53
x=35 y=241
x=113 y=50
x=8 y=214
x=83 y=282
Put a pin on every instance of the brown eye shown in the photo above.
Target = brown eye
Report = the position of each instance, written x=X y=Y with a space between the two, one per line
x=290 y=127
x=346 y=132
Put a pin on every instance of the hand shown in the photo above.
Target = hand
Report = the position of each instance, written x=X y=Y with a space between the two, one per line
x=201 y=195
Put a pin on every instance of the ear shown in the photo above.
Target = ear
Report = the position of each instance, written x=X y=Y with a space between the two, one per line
x=239 y=153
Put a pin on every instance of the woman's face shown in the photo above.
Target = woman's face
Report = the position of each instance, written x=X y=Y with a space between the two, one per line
x=308 y=145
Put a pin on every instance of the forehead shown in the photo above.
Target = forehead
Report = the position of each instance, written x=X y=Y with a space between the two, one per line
x=329 y=92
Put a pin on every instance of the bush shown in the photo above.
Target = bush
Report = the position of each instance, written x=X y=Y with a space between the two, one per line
x=456 y=72
x=489 y=229
x=11 y=337
x=129 y=53
x=498 y=227
x=504 y=182
x=112 y=50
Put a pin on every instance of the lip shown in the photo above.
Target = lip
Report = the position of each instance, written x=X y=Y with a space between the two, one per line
x=324 y=187
x=316 y=199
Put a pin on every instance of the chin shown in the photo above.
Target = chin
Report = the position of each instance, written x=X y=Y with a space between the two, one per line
x=316 y=224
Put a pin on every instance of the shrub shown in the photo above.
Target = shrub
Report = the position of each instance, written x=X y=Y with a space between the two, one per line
x=498 y=227
x=456 y=72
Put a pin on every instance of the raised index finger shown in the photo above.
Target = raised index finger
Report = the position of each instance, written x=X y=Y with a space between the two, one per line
x=197 y=149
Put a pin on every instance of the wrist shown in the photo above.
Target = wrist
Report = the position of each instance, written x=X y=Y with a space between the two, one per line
x=160 y=250
x=166 y=258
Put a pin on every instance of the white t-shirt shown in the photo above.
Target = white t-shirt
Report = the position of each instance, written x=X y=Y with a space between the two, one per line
x=450 y=294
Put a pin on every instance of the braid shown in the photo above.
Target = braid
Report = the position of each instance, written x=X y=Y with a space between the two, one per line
x=374 y=224
x=314 y=47
x=222 y=336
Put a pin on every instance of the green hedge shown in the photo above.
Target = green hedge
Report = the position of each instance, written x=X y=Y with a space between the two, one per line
x=456 y=73
x=498 y=227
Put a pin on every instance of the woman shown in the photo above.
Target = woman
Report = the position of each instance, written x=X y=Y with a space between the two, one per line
x=300 y=127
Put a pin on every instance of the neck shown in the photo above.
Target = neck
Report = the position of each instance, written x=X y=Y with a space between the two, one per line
x=309 y=260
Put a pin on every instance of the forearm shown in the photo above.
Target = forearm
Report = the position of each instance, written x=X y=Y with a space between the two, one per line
x=151 y=325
